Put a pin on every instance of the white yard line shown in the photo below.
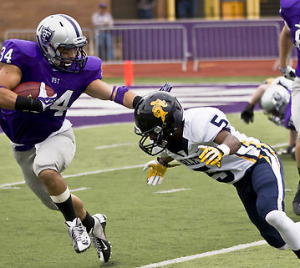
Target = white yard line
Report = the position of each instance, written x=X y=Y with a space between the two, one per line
x=114 y=145
x=79 y=189
x=280 y=145
x=173 y=191
x=13 y=184
x=101 y=171
x=206 y=254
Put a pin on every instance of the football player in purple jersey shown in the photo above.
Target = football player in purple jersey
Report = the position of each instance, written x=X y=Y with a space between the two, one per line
x=290 y=36
x=42 y=138
x=274 y=98
x=203 y=140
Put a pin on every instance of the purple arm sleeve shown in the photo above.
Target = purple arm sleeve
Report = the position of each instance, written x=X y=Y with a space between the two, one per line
x=120 y=94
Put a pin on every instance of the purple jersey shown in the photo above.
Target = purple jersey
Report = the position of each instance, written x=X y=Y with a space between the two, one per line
x=30 y=128
x=290 y=12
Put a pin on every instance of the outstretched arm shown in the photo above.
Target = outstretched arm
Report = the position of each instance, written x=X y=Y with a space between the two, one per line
x=101 y=90
x=122 y=95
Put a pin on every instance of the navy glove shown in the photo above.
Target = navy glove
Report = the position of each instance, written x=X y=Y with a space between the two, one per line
x=247 y=114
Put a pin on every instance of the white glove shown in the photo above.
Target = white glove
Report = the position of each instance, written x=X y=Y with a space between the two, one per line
x=156 y=172
x=213 y=155
x=288 y=73
x=44 y=98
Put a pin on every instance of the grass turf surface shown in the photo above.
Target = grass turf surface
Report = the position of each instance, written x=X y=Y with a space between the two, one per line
x=144 y=227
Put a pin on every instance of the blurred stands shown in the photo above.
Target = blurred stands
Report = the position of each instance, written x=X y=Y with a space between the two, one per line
x=224 y=30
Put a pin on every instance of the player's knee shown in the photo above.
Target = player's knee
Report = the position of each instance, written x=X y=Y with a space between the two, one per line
x=39 y=166
x=276 y=218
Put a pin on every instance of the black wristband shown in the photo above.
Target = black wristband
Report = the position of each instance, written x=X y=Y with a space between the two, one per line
x=136 y=100
x=27 y=104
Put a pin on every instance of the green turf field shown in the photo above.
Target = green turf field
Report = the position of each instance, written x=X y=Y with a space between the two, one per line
x=144 y=226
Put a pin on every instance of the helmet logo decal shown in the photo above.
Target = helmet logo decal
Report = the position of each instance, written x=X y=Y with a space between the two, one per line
x=46 y=35
x=277 y=97
x=157 y=109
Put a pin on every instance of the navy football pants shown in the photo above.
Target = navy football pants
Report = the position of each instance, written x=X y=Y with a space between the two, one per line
x=259 y=191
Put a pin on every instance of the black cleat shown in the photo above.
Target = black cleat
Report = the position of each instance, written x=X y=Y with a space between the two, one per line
x=99 y=239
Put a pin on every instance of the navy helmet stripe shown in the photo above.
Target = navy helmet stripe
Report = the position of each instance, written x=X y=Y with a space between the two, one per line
x=73 y=24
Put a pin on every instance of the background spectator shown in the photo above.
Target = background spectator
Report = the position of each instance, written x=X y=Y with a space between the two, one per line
x=102 y=22
x=145 y=8
x=186 y=8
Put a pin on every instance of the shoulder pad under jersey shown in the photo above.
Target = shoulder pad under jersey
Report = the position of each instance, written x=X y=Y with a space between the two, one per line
x=93 y=65
x=20 y=52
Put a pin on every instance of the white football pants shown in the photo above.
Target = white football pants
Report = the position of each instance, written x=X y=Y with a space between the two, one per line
x=55 y=153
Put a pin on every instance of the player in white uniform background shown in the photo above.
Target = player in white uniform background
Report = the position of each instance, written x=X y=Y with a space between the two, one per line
x=203 y=140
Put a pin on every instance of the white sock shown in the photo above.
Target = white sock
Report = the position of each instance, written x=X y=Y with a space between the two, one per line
x=62 y=197
x=288 y=229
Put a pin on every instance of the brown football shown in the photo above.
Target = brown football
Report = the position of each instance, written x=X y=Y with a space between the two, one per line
x=32 y=90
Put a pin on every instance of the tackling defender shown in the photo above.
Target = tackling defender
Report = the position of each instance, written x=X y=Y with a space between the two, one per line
x=203 y=140
x=41 y=137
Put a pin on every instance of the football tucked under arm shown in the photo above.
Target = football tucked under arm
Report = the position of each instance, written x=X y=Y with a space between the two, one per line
x=34 y=97
x=31 y=90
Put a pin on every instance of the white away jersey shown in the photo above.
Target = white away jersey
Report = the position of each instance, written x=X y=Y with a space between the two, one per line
x=201 y=126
